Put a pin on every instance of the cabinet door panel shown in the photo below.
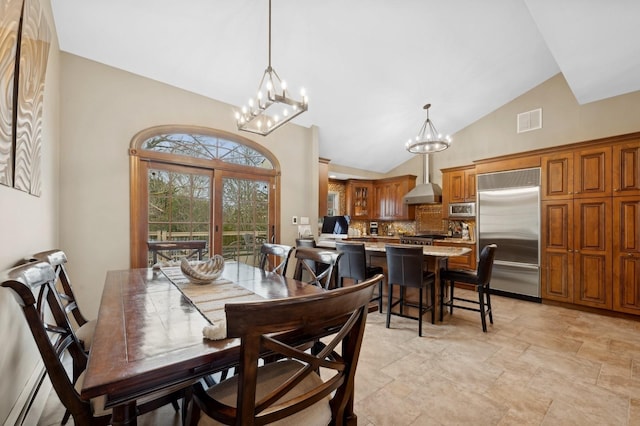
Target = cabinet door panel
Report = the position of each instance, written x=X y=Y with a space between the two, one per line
x=626 y=169
x=557 y=258
x=626 y=255
x=557 y=276
x=470 y=185
x=456 y=187
x=593 y=173
x=557 y=176
x=592 y=254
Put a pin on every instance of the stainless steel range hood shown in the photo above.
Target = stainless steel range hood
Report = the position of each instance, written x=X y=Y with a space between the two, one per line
x=426 y=192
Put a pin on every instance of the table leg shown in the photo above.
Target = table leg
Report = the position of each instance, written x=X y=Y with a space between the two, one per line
x=124 y=415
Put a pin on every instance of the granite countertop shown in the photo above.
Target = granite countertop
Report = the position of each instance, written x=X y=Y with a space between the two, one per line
x=458 y=241
x=440 y=251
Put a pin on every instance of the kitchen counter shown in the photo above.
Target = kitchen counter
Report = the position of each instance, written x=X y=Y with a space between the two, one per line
x=458 y=241
x=436 y=251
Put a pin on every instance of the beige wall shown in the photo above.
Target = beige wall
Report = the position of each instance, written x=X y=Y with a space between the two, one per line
x=28 y=225
x=564 y=121
x=102 y=109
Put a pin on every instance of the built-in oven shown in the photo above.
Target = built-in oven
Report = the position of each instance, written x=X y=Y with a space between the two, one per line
x=462 y=210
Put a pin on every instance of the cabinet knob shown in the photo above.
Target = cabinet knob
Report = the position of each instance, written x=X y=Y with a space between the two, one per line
x=616 y=190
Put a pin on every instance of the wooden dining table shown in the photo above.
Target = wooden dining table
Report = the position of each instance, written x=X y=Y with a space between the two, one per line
x=149 y=336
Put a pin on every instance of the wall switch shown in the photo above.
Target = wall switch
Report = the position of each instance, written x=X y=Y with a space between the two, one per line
x=294 y=220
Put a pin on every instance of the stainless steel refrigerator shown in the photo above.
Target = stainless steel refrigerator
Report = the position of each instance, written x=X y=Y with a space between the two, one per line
x=509 y=216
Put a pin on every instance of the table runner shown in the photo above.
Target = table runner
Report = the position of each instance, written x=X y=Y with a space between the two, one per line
x=210 y=299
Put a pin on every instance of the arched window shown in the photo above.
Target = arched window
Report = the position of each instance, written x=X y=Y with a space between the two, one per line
x=197 y=191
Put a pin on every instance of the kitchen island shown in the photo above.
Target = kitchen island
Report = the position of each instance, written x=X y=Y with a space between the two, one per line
x=436 y=259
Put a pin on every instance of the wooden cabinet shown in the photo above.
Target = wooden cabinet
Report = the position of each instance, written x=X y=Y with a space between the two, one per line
x=582 y=173
x=458 y=186
x=626 y=169
x=556 y=277
x=576 y=251
x=626 y=254
x=468 y=261
x=388 y=195
x=592 y=252
x=359 y=194
x=380 y=199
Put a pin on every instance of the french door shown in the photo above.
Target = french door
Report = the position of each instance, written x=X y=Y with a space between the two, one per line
x=185 y=211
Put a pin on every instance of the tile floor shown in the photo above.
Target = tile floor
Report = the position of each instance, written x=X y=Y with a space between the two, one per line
x=537 y=365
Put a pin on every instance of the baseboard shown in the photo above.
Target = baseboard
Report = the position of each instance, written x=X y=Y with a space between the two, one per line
x=31 y=401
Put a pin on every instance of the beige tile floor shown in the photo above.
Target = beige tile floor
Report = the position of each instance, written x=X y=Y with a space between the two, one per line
x=537 y=365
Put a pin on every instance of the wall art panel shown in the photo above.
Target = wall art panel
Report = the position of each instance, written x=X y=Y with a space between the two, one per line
x=34 y=51
x=9 y=25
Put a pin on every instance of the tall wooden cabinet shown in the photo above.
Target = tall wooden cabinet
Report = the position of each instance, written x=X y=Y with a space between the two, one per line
x=590 y=223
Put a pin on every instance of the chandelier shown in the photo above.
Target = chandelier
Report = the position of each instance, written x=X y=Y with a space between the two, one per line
x=271 y=107
x=428 y=139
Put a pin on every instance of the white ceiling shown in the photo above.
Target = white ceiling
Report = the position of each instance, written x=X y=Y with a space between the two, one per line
x=368 y=66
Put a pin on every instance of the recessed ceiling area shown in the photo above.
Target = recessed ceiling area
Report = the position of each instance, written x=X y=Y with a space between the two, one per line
x=368 y=66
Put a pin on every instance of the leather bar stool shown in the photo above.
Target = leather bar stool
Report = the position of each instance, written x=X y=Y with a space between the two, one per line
x=480 y=279
x=353 y=264
x=406 y=267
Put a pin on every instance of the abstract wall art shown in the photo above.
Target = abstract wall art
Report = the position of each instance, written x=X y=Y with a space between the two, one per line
x=10 y=11
x=35 y=39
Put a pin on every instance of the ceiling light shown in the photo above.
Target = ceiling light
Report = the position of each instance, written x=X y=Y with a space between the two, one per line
x=428 y=139
x=271 y=107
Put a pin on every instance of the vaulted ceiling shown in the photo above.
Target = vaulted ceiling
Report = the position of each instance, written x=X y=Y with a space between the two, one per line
x=368 y=66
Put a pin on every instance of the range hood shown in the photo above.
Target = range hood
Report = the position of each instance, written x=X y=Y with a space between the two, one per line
x=426 y=192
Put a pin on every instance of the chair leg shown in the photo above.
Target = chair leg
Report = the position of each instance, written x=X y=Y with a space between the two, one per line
x=482 y=311
x=433 y=302
x=442 y=287
x=420 y=314
x=390 y=288
x=488 y=293
x=451 y=287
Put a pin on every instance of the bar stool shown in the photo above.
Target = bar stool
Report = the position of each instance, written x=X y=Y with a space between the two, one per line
x=406 y=268
x=353 y=264
x=480 y=279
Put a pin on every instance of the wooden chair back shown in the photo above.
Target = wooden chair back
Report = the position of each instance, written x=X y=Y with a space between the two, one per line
x=33 y=285
x=283 y=327
x=317 y=266
x=58 y=259
x=269 y=252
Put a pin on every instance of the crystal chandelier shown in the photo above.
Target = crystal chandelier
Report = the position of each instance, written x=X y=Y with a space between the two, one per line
x=428 y=139
x=271 y=107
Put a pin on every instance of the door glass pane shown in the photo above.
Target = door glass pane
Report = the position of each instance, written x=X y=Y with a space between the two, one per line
x=245 y=218
x=179 y=212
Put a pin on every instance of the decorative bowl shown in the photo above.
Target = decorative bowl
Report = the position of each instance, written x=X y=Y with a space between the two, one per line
x=203 y=272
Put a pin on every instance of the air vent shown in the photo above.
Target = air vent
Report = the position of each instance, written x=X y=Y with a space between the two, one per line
x=531 y=120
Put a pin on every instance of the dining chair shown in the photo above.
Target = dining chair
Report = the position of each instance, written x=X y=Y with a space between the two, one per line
x=406 y=268
x=269 y=252
x=317 y=266
x=353 y=265
x=480 y=279
x=85 y=329
x=291 y=390
x=33 y=286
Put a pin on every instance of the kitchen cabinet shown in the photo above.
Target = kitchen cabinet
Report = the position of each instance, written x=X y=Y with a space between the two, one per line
x=458 y=186
x=576 y=251
x=580 y=173
x=388 y=195
x=626 y=169
x=359 y=194
x=626 y=254
x=467 y=261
